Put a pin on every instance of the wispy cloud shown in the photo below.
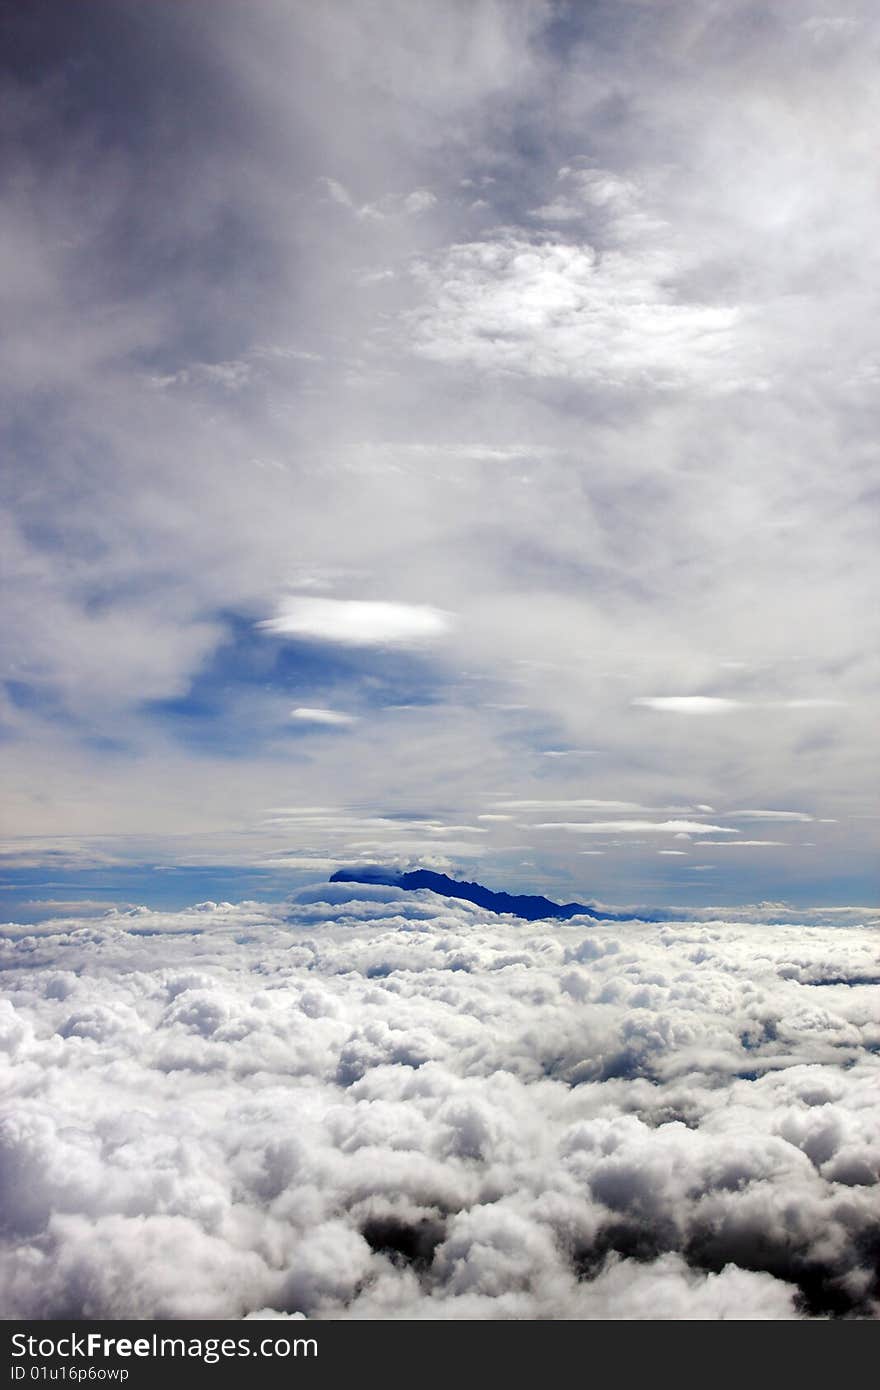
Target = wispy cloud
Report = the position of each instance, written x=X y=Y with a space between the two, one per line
x=717 y=704
x=637 y=827
x=586 y=804
x=687 y=704
x=570 y=752
x=391 y=205
x=740 y=844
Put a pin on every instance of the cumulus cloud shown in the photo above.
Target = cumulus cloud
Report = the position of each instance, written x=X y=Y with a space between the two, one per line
x=545 y=308
x=583 y=191
x=419 y=200
x=358 y=622
x=397 y=1106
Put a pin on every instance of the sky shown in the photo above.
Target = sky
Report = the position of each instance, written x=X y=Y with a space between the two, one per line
x=439 y=434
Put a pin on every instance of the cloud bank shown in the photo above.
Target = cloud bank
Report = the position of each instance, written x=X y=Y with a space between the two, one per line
x=392 y=1106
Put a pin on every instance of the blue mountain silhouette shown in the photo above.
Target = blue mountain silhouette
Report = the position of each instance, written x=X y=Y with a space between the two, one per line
x=531 y=907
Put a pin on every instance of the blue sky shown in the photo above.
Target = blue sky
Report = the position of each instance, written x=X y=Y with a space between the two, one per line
x=440 y=434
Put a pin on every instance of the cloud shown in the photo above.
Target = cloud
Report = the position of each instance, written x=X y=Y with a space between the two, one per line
x=637 y=827
x=739 y=844
x=578 y=803
x=770 y=815
x=687 y=704
x=420 y=200
x=387 y=1106
x=586 y=191
x=392 y=205
x=358 y=622
x=569 y=752
x=822 y=27
x=322 y=716
x=338 y=192
x=716 y=704
x=545 y=308
x=812 y=704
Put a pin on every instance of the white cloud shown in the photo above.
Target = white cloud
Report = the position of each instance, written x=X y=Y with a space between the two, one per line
x=578 y=803
x=586 y=191
x=569 y=752
x=738 y=844
x=322 y=716
x=419 y=201
x=636 y=827
x=371 y=1104
x=769 y=815
x=687 y=704
x=548 y=308
x=338 y=192
x=714 y=704
x=358 y=622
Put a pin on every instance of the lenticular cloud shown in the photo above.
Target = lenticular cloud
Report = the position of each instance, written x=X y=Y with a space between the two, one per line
x=358 y=622
x=398 y=1106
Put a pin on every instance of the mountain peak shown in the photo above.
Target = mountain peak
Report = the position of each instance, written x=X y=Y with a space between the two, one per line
x=531 y=907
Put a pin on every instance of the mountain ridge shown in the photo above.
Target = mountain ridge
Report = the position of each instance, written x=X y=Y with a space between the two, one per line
x=530 y=907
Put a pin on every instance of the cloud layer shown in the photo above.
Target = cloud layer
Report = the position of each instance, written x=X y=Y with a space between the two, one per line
x=395 y=1106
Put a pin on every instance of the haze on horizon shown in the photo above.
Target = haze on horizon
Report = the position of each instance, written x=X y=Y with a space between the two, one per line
x=440 y=434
